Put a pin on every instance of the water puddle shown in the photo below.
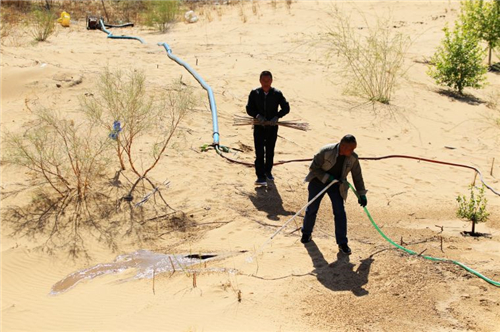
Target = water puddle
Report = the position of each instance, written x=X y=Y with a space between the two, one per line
x=146 y=264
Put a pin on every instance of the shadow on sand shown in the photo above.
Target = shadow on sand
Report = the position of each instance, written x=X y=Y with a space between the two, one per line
x=268 y=199
x=340 y=275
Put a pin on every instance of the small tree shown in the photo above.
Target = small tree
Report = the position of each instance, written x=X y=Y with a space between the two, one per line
x=458 y=61
x=483 y=19
x=474 y=208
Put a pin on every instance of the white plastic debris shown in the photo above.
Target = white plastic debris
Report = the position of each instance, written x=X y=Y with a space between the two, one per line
x=190 y=17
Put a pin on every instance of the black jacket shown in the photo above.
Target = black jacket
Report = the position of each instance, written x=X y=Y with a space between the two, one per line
x=259 y=103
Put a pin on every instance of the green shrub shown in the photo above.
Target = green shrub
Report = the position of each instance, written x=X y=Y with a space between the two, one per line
x=162 y=14
x=474 y=208
x=483 y=19
x=458 y=61
x=42 y=25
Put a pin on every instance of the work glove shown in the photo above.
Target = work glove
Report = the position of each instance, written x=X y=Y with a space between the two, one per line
x=274 y=121
x=260 y=118
x=362 y=200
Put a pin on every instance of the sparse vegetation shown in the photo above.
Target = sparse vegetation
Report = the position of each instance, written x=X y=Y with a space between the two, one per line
x=124 y=108
x=474 y=208
x=42 y=24
x=162 y=14
x=374 y=62
x=70 y=162
x=66 y=163
x=458 y=61
x=493 y=99
x=243 y=16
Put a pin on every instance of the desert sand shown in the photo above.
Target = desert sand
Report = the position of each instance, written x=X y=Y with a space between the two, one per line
x=285 y=286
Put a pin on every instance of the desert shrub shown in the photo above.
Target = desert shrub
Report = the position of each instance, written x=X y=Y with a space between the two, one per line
x=474 y=208
x=66 y=163
x=126 y=110
x=483 y=19
x=42 y=24
x=374 y=62
x=8 y=22
x=162 y=14
x=458 y=61
x=71 y=166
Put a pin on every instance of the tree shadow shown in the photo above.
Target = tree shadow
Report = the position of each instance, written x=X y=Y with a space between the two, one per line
x=466 y=98
x=268 y=199
x=340 y=275
x=495 y=68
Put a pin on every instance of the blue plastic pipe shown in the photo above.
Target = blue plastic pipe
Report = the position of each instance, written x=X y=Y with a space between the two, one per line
x=200 y=80
x=110 y=34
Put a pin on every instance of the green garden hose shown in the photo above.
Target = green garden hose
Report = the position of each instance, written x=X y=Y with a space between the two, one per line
x=411 y=252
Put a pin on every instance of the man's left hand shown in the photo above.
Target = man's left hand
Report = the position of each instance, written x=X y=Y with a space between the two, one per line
x=362 y=200
x=274 y=121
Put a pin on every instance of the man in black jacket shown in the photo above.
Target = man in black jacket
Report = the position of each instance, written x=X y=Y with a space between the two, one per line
x=263 y=105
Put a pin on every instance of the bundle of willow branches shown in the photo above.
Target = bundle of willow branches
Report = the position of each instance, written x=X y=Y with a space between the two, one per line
x=245 y=120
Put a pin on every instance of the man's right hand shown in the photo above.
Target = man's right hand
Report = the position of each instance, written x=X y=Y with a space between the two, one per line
x=260 y=118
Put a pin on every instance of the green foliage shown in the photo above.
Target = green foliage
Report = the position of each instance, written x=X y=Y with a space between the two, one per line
x=162 y=14
x=458 y=61
x=474 y=208
x=483 y=19
x=42 y=25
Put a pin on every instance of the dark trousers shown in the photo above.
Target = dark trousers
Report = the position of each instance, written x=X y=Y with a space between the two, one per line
x=264 y=138
x=315 y=186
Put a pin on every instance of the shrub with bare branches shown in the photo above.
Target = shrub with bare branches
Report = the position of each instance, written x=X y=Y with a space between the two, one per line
x=66 y=162
x=374 y=61
x=70 y=164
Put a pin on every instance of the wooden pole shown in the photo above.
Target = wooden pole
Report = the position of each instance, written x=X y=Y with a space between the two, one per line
x=105 y=12
x=492 y=164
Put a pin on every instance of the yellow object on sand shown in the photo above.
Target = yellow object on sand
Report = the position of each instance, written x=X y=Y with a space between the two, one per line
x=64 y=19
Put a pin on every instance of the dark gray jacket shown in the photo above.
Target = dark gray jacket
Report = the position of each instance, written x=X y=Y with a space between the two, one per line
x=326 y=158
x=259 y=103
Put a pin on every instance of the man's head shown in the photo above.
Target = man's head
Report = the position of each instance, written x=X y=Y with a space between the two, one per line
x=266 y=79
x=347 y=145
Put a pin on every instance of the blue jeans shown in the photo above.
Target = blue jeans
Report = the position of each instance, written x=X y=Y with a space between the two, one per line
x=340 y=218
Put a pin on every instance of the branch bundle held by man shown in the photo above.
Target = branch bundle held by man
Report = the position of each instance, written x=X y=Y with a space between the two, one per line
x=263 y=104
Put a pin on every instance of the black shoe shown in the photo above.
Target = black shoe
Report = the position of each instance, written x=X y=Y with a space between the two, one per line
x=306 y=238
x=269 y=176
x=344 y=248
x=261 y=182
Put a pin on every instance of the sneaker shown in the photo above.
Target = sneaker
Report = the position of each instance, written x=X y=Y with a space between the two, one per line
x=261 y=182
x=344 y=248
x=306 y=238
x=269 y=176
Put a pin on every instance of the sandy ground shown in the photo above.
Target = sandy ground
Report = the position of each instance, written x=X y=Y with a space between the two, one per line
x=286 y=286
